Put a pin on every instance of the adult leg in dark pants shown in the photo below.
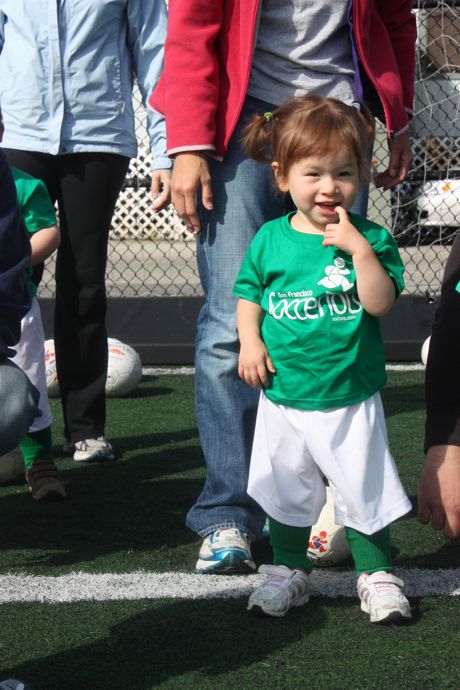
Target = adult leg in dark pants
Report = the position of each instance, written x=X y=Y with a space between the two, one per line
x=86 y=187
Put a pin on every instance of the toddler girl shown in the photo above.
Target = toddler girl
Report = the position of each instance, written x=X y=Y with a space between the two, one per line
x=311 y=290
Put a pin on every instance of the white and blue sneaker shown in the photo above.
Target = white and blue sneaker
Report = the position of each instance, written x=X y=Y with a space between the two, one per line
x=225 y=551
x=93 y=450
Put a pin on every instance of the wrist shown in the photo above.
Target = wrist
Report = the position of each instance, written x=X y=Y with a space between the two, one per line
x=362 y=252
x=250 y=339
x=181 y=155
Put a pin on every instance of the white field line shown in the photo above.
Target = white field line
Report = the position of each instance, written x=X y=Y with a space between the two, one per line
x=147 y=585
x=190 y=371
x=168 y=371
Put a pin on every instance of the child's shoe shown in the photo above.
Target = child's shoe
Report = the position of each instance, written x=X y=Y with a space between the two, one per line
x=382 y=598
x=283 y=589
x=44 y=483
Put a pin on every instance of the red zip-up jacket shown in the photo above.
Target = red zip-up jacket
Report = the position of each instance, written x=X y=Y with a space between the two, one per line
x=208 y=55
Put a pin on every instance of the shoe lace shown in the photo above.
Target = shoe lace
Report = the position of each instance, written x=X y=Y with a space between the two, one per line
x=386 y=585
x=292 y=582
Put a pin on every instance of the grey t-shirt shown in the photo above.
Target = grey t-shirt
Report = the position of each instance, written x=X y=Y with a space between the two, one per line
x=302 y=46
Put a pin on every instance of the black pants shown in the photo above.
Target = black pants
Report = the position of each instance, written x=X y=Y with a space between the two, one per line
x=86 y=187
x=442 y=380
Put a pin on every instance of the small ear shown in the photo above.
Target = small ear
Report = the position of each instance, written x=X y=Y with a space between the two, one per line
x=280 y=180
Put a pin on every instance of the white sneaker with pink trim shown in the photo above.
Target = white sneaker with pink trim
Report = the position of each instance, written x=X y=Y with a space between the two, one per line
x=382 y=597
x=283 y=589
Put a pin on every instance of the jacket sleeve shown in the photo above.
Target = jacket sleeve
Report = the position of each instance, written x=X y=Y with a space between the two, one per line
x=400 y=24
x=14 y=254
x=147 y=22
x=189 y=88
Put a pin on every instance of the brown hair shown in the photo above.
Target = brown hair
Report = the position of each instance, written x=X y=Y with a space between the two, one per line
x=310 y=126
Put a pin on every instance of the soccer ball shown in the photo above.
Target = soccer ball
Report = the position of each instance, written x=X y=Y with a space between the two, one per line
x=52 y=383
x=124 y=370
x=123 y=373
x=425 y=350
x=11 y=466
x=328 y=544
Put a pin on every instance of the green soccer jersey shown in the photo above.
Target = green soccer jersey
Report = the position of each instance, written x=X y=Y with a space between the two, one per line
x=326 y=349
x=36 y=208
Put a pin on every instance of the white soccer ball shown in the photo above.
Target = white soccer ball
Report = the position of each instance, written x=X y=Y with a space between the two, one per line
x=328 y=544
x=52 y=383
x=425 y=350
x=124 y=370
x=11 y=466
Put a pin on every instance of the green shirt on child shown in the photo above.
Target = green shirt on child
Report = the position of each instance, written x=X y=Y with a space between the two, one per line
x=327 y=350
x=36 y=208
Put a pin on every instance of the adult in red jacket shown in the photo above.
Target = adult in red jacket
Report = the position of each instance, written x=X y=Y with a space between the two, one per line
x=224 y=61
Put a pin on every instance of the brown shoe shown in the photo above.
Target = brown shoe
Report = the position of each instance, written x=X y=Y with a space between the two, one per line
x=44 y=483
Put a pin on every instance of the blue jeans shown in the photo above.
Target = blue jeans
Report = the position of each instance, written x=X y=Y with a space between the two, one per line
x=18 y=402
x=244 y=198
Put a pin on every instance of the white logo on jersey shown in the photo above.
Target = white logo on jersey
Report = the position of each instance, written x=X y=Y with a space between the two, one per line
x=335 y=276
x=335 y=304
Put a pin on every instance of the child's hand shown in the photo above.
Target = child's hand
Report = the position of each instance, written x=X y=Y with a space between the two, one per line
x=254 y=364
x=344 y=235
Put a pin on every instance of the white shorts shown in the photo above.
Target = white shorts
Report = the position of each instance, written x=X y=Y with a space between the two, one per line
x=294 y=450
x=30 y=357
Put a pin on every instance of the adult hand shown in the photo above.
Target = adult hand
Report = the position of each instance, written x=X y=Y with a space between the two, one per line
x=190 y=173
x=439 y=490
x=161 y=189
x=399 y=163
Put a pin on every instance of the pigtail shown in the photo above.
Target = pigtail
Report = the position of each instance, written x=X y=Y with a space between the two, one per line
x=256 y=137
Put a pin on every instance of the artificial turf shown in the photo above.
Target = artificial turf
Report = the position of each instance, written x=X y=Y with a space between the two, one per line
x=326 y=645
x=129 y=515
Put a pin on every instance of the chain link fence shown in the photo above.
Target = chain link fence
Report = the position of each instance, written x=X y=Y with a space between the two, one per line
x=153 y=255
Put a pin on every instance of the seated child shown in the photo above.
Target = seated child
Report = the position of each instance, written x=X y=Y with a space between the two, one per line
x=311 y=290
x=37 y=449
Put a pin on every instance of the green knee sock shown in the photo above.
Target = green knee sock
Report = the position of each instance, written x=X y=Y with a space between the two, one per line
x=290 y=545
x=371 y=552
x=37 y=446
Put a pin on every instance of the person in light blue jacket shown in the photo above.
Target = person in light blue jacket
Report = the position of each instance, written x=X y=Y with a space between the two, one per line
x=67 y=69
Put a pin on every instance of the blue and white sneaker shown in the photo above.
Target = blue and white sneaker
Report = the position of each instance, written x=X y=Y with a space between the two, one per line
x=225 y=551
x=93 y=450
